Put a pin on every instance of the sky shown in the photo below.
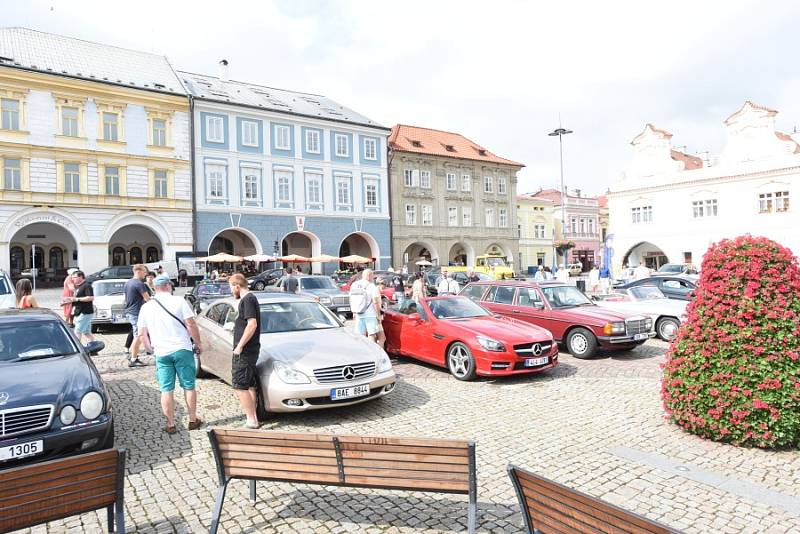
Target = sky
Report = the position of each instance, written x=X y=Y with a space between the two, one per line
x=502 y=73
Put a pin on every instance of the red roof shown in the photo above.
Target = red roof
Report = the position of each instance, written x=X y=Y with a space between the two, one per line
x=602 y=201
x=690 y=163
x=786 y=137
x=420 y=140
x=752 y=105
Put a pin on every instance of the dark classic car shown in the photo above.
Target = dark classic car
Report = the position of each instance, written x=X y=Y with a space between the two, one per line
x=269 y=277
x=674 y=287
x=52 y=400
x=206 y=292
x=324 y=291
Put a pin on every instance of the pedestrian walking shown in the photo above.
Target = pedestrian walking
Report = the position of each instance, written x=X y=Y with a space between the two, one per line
x=69 y=291
x=365 y=303
x=399 y=288
x=82 y=306
x=594 y=279
x=167 y=328
x=136 y=294
x=442 y=284
x=246 y=348
x=453 y=286
x=539 y=276
x=605 y=278
x=25 y=298
x=417 y=288
x=290 y=283
x=380 y=337
x=471 y=276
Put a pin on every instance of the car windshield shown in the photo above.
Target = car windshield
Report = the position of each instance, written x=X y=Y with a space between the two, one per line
x=565 y=296
x=102 y=289
x=456 y=308
x=321 y=282
x=496 y=262
x=5 y=289
x=295 y=317
x=671 y=268
x=647 y=293
x=34 y=339
x=214 y=289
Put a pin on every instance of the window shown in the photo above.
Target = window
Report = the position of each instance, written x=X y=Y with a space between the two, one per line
x=216 y=181
x=451 y=181
x=573 y=225
x=160 y=184
x=466 y=216
x=488 y=184
x=312 y=141
x=342 y=148
x=489 y=217
x=452 y=216
x=466 y=182
x=538 y=231
x=215 y=130
x=591 y=226
x=411 y=213
x=9 y=112
x=112 y=180
x=251 y=186
x=282 y=137
x=343 y=197
x=110 y=126
x=371 y=149
x=12 y=174
x=582 y=225
x=502 y=295
x=502 y=216
x=501 y=185
x=425 y=179
x=314 y=191
x=72 y=178
x=781 y=201
x=636 y=215
x=69 y=121
x=704 y=208
x=765 y=203
x=371 y=194
x=647 y=214
x=411 y=177
x=159 y=132
x=529 y=296
x=427 y=215
x=283 y=184
x=250 y=133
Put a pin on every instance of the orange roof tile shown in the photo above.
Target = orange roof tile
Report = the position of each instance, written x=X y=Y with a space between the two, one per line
x=602 y=201
x=420 y=140
x=786 y=137
x=689 y=162
x=752 y=105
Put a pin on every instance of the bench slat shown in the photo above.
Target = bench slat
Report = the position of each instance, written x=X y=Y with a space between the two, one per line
x=417 y=485
x=282 y=466
x=411 y=442
x=427 y=458
x=271 y=442
x=101 y=458
x=407 y=474
x=575 y=519
x=419 y=466
x=223 y=433
x=288 y=458
x=269 y=449
x=57 y=509
x=36 y=492
x=271 y=474
x=405 y=449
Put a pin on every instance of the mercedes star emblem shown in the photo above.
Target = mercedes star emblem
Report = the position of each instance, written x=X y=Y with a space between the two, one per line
x=536 y=349
x=348 y=373
x=3 y=397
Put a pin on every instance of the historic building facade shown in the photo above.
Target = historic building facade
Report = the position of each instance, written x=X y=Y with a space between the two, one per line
x=582 y=225
x=94 y=151
x=670 y=207
x=536 y=232
x=452 y=199
x=282 y=172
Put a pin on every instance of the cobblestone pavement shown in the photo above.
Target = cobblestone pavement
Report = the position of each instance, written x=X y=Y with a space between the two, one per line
x=569 y=424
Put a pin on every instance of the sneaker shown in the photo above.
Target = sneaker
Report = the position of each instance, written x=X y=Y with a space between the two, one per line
x=253 y=426
x=194 y=425
x=136 y=363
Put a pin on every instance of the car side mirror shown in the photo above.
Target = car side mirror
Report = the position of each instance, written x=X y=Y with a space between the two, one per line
x=228 y=327
x=94 y=347
x=415 y=318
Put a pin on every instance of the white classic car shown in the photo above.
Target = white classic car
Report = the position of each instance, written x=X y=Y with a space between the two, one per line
x=109 y=302
x=667 y=314
x=7 y=297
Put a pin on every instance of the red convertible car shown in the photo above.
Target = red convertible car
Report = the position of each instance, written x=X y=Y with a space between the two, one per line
x=456 y=333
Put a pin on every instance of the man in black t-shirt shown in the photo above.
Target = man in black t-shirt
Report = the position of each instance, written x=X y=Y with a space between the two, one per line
x=82 y=306
x=246 y=348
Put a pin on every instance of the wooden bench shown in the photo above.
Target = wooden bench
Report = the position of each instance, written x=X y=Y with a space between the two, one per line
x=550 y=507
x=34 y=494
x=428 y=465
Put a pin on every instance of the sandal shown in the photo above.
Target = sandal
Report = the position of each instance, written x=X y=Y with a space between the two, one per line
x=171 y=429
x=194 y=425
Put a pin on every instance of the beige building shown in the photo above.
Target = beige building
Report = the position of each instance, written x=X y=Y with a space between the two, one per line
x=536 y=232
x=452 y=199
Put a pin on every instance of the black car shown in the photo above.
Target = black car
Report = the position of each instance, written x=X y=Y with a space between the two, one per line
x=121 y=271
x=205 y=292
x=674 y=287
x=264 y=279
x=52 y=400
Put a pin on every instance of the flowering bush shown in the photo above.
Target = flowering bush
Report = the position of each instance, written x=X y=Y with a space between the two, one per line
x=733 y=372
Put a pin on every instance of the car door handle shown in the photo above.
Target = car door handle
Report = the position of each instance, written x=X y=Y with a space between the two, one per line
x=515 y=311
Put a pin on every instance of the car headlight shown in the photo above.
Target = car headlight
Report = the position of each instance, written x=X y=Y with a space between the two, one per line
x=384 y=363
x=67 y=415
x=491 y=344
x=91 y=405
x=289 y=374
x=614 y=328
x=325 y=300
x=649 y=323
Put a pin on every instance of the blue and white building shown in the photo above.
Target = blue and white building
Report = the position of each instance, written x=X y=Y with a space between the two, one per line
x=283 y=172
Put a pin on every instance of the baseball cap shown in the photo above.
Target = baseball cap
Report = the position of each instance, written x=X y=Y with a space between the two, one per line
x=161 y=280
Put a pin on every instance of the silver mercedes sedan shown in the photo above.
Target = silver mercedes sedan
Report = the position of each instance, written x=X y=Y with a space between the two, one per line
x=309 y=360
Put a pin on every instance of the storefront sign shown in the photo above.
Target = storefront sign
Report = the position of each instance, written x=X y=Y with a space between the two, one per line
x=44 y=218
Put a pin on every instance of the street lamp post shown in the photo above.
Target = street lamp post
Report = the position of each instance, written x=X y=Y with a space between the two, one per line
x=561 y=132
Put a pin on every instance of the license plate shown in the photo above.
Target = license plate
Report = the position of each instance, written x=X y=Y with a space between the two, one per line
x=21 y=450
x=120 y=319
x=533 y=362
x=349 y=393
x=639 y=337
x=345 y=309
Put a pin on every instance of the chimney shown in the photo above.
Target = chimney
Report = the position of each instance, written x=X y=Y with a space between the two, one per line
x=578 y=193
x=223 y=70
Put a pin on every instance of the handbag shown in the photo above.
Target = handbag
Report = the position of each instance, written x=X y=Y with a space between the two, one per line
x=179 y=320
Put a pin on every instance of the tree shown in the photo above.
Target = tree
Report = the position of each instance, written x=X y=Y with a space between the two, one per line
x=733 y=372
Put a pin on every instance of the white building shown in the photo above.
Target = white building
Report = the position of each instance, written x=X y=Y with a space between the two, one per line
x=669 y=206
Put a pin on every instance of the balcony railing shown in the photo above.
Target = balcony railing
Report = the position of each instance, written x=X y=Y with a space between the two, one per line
x=581 y=235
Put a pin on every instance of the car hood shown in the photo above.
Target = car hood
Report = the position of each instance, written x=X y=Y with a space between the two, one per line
x=503 y=329
x=595 y=314
x=46 y=380
x=106 y=301
x=675 y=308
x=329 y=292
x=311 y=349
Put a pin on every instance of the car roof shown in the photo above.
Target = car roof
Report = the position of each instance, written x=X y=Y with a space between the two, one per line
x=104 y=280
x=279 y=296
x=14 y=315
x=520 y=283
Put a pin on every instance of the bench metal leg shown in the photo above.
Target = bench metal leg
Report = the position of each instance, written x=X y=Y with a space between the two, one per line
x=217 y=509
x=472 y=518
x=120 y=516
x=472 y=511
x=110 y=515
x=253 y=491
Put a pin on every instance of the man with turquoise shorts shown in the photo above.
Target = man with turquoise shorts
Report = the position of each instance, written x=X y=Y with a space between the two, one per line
x=167 y=328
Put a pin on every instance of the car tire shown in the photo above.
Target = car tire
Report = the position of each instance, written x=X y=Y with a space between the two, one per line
x=581 y=343
x=259 y=286
x=261 y=410
x=198 y=371
x=460 y=361
x=667 y=328
x=109 y=441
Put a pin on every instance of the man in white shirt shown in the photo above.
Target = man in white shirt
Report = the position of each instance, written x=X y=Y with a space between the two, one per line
x=167 y=328
x=443 y=285
x=365 y=303
x=641 y=271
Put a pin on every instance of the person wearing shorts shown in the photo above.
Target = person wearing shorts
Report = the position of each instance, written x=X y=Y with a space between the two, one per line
x=365 y=302
x=167 y=329
x=136 y=294
x=246 y=348
x=82 y=306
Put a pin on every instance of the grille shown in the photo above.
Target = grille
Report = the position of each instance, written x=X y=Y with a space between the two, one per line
x=337 y=374
x=344 y=300
x=526 y=349
x=24 y=420
x=117 y=308
x=636 y=326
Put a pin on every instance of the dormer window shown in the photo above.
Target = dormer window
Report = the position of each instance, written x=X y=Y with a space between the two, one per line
x=416 y=143
x=482 y=151
x=449 y=148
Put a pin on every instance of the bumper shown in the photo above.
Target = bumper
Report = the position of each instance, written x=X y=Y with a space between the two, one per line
x=65 y=442
x=611 y=341
x=338 y=308
x=110 y=320
x=318 y=396
x=509 y=363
